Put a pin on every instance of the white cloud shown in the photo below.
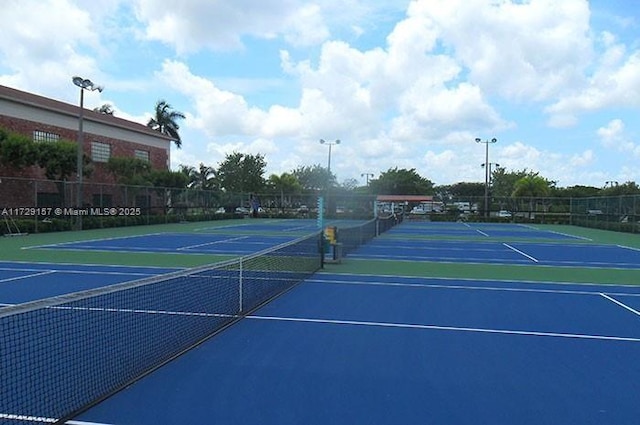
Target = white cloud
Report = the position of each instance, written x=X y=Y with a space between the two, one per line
x=44 y=43
x=519 y=155
x=614 y=83
x=582 y=159
x=195 y=24
x=612 y=133
x=613 y=137
x=408 y=90
x=520 y=50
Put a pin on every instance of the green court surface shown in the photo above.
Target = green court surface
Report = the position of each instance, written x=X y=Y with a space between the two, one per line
x=21 y=248
x=24 y=248
x=528 y=273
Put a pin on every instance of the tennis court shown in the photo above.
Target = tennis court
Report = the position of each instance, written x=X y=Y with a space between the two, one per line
x=27 y=282
x=339 y=349
x=376 y=340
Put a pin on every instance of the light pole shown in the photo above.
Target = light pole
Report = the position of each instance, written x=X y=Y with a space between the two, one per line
x=490 y=169
x=486 y=172
x=324 y=142
x=367 y=175
x=84 y=84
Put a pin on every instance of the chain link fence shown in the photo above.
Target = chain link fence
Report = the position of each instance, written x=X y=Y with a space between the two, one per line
x=619 y=213
x=33 y=206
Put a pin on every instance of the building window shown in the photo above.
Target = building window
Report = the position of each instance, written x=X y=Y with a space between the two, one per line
x=100 y=152
x=43 y=136
x=143 y=155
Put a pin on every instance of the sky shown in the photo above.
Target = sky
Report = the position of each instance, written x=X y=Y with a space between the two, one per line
x=406 y=84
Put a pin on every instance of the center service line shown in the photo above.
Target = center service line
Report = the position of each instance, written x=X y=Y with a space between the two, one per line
x=445 y=328
x=521 y=253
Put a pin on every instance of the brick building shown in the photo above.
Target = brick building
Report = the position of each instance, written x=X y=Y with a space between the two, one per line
x=105 y=136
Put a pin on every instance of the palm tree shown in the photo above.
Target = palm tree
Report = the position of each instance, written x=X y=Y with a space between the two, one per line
x=203 y=177
x=533 y=186
x=284 y=183
x=165 y=121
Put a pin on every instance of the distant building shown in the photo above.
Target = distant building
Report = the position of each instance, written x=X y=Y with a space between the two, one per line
x=105 y=136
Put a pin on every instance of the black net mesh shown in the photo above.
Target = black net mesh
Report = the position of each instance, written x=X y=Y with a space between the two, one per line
x=60 y=355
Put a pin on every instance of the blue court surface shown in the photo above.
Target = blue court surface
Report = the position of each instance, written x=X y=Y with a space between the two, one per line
x=25 y=282
x=347 y=349
x=185 y=243
x=478 y=231
x=523 y=253
x=367 y=349
x=293 y=226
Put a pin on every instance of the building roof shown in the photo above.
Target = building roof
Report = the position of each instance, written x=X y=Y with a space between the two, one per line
x=33 y=100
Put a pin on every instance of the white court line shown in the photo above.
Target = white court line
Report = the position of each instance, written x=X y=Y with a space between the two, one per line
x=210 y=243
x=363 y=323
x=113 y=238
x=623 y=305
x=535 y=260
x=475 y=288
x=83 y=272
x=446 y=328
x=584 y=238
x=482 y=233
x=9 y=279
x=360 y=323
x=628 y=247
x=27 y=418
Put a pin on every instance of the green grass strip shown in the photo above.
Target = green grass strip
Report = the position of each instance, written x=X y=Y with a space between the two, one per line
x=531 y=273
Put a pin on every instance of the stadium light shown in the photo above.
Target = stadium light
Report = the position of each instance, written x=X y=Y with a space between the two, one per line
x=84 y=84
x=486 y=172
x=367 y=176
x=490 y=169
x=324 y=142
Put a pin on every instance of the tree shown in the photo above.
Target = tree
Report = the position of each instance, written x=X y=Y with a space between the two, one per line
x=532 y=186
x=17 y=151
x=59 y=159
x=165 y=121
x=203 y=177
x=503 y=182
x=578 y=191
x=349 y=184
x=242 y=173
x=105 y=109
x=628 y=188
x=464 y=190
x=168 y=179
x=401 y=182
x=285 y=183
x=130 y=171
x=314 y=178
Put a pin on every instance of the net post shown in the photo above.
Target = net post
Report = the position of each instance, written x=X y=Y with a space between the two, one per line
x=240 y=295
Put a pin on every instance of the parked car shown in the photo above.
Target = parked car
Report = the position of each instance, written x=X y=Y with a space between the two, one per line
x=242 y=211
x=504 y=214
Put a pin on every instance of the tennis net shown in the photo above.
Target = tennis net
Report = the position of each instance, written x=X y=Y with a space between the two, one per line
x=354 y=236
x=61 y=355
